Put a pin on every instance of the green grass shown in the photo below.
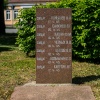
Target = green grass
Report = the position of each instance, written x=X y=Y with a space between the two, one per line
x=16 y=69
x=87 y=74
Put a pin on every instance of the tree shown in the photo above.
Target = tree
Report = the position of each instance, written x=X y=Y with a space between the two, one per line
x=5 y=3
x=2 y=23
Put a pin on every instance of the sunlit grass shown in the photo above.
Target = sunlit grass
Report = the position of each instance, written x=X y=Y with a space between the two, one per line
x=15 y=69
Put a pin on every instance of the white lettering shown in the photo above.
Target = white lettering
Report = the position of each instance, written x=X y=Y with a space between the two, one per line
x=59 y=66
x=40 y=26
x=68 y=66
x=49 y=29
x=40 y=67
x=40 y=42
x=40 y=34
x=58 y=58
x=63 y=50
x=59 y=26
x=68 y=17
x=70 y=50
x=62 y=34
x=40 y=58
x=58 y=18
x=40 y=18
x=40 y=50
x=60 y=42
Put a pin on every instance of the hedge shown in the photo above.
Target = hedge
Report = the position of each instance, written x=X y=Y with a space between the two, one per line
x=85 y=31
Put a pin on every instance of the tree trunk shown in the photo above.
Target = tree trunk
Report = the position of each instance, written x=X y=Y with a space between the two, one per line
x=2 y=21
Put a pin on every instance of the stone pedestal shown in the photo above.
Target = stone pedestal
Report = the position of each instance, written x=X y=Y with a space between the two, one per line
x=32 y=91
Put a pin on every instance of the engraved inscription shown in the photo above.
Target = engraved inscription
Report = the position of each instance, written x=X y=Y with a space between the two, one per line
x=60 y=58
x=40 y=67
x=41 y=50
x=40 y=18
x=53 y=45
x=40 y=42
x=41 y=58
x=60 y=25
x=40 y=26
x=62 y=34
x=61 y=50
x=40 y=34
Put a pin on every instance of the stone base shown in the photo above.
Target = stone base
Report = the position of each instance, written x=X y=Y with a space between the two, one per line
x=32 y=91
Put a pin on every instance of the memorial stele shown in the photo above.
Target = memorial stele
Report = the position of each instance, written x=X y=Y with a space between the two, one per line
x=53 y=45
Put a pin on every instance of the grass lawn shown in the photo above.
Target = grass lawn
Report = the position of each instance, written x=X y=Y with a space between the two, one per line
x=16 y=69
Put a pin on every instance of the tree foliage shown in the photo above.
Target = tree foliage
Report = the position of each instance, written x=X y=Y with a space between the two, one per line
x=5 y=3
x=2 y=24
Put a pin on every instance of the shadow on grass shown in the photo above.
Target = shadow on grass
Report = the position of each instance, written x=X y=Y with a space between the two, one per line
x=95 y=61
x=82 y=80
x=5 y=49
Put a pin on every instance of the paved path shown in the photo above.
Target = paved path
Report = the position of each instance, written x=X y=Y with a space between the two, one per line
x=12 y=30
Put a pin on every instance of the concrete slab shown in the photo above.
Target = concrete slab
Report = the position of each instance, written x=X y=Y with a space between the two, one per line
x=32 y=91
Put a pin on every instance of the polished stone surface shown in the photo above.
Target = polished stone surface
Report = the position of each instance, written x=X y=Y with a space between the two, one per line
x=53 y=45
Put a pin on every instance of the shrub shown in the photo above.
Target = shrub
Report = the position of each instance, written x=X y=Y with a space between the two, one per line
x=86 y=30
x=26 y=30
x=85 y=27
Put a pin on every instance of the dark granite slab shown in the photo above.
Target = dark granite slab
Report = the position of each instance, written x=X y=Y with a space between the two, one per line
x=53 y=45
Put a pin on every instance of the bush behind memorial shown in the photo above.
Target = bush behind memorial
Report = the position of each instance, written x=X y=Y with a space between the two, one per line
x=85 y=31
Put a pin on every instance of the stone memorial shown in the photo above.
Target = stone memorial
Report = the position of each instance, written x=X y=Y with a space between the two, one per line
x=53 y=60
x=53 y=45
